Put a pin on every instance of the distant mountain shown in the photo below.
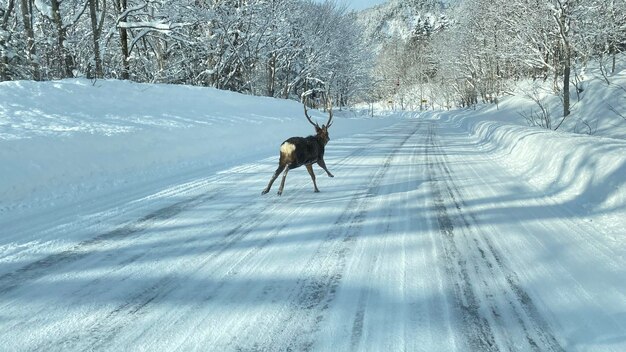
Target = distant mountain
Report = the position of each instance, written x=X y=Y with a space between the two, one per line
x=402 y=19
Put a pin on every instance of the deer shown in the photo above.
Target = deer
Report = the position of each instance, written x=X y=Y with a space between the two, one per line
x=298 y=151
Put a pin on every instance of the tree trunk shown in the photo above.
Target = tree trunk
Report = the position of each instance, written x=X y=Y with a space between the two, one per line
x=563 y=26
x=96 y=37
x=271 y=76
x=566 y=74
x=64 y=57
x=121 y=7
x=613 y=65
x=567 y=61
x=4 y=60
x=26 y=8
x=286 y=88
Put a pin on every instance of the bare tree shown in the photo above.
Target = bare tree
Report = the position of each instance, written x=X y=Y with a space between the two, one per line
x=5 y=15
x=562 y=12
x=121 y=7
x=27 y=18
x=96 y=30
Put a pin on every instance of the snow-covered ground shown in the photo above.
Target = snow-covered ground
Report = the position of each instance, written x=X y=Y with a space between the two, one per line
x=95 y=136
x=598 y=103
x=131 y=219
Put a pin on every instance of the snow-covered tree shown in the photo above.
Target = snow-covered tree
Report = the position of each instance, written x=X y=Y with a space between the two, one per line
x=411 y=52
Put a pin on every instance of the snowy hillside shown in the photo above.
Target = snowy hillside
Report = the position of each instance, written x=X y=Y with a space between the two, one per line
x=60 y=140
x=582 y=163
x=598 y=103
x=400 y=18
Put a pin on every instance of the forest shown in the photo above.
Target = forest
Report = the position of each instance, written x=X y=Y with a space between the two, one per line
x=454 y=53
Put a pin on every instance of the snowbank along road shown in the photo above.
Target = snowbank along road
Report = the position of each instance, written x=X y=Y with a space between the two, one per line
x=421 y=242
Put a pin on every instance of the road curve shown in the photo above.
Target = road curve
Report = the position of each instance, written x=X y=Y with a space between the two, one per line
x=422 y=242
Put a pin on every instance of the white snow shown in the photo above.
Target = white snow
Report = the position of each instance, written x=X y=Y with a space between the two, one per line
x=44 y=8
x=62 y=139
x=131 y=218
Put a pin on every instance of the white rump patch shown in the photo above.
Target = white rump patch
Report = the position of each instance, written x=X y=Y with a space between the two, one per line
x=287 y=148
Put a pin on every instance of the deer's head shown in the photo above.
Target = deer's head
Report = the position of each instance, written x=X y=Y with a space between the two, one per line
x=321 y=132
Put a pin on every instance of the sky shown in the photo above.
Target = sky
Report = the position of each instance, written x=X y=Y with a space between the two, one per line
x=361 y=4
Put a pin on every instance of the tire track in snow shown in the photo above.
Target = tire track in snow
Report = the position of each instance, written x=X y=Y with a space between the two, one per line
x=99 y=334
x=358 y=322
x=107 y=240
x=231 y=238
x=484 y=265
x=269 y=238
x=314 y=293
x=42 y=267
x=537 y=332
x=382 y=229
x=73 y=253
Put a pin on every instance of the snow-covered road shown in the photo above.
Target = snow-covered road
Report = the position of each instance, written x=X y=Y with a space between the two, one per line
x=422 y=241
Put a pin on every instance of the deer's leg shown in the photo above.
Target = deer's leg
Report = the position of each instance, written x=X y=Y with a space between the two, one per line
x=278 y=171
x=309 y=168
x=282 y=182
x=322 y=164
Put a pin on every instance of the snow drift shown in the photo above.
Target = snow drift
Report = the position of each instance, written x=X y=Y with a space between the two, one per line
x=64 y=139
x=69 y=140
x=588 y=173
x=581 y=169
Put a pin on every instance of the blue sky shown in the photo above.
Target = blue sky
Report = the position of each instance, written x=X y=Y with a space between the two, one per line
x=360 y=4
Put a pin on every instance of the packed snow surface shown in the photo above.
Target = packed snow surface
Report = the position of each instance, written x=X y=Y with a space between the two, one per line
x=131 y=218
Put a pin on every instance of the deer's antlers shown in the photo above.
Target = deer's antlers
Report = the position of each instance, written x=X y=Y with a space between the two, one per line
x=329 y=106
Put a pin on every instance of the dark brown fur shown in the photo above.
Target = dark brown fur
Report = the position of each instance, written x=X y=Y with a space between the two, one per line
x=305 y=151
